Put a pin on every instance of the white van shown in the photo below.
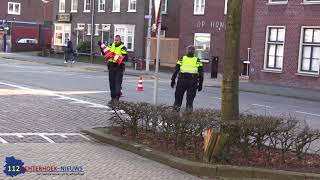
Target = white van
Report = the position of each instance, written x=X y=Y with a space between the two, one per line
x=27 y=41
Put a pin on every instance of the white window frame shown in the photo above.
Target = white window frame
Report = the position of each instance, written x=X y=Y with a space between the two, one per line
x=101 y=3
x=96 y=29
x=81 y=26
x=63 y=31
x=13 y=12
x=89 y=28
x=165 y=9
x=62 y=6
x=225 y=7
x=195 y=5
x=105 y=27
x=114 y=7
x=266 y=49
x=129 y=3
x=311 y=2
x=301 y=51
x=74 y=6
x=126 y=35
x=275 y=2
x=84 y=5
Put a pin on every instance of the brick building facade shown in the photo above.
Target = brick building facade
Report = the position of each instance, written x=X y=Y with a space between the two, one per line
x=22 y=20
x=110 y=17
x=286 y=43
x=203 y=24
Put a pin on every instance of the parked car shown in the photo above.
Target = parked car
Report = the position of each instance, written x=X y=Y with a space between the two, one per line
x=27 y=41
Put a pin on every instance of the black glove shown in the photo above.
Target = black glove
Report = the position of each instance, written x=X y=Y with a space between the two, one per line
x=173 y=82
x=99 y=43
x=199 y=87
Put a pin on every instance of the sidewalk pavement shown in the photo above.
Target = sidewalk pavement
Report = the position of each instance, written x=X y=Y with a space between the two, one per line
x=244 y=84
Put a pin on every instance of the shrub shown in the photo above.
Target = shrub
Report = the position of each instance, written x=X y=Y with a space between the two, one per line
x=84 y=47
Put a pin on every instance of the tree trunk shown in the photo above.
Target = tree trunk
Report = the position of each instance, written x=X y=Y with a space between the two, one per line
x=230 y=84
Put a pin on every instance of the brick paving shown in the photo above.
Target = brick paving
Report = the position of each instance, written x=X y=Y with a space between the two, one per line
x=101 y=162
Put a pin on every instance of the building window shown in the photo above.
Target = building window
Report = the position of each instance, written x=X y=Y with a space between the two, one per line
x=278 y=1
x=74 y=5
x=105 y=27
x=164 y=6
x=132 y=6
x=80 y=26
x=116 y=6
x=274 y=48
x=88 y=29
x=62 y=34
x=62 y=6
x=96 y=29
x=202 y=45
x=14 y=8
x=102 y=6
x=162 y=34
x=309 y=50
x=87 y=5
x=311 y=1
x=199 y=7
x=127 y=35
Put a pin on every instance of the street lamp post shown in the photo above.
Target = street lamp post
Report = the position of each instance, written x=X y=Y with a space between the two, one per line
x=149 y=37
x=92 y=26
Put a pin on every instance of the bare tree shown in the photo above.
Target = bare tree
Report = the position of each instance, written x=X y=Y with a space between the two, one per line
x=230 y=84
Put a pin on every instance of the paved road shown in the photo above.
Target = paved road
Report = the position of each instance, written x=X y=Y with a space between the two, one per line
x=43 y=109
x=72 y=79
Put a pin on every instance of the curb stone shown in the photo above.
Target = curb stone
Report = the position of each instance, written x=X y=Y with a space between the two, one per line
x=197 y=168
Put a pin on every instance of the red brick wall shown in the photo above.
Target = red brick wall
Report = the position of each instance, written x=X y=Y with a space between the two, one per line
x=214 y=12
x=31 y=11
x=293 y=16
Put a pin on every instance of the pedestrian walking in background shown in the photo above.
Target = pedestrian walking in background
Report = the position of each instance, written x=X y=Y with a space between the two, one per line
x=190 y=78
x=115 y=54
x=69 y=53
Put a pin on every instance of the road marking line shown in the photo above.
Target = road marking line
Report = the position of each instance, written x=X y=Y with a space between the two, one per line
x=43 y=135
x=3 y=141
x=64 y=136
x=261 y=105
x=215 y=98
x=19 y=136
x=52 y=93
x=85 y=137
x=301 y=112
x=46 y=138
x=37 y=134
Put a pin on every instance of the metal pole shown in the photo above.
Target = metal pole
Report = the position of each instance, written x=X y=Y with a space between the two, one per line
x=155 y=90
x=92 y=24
x=248 y=61
x=149 y=37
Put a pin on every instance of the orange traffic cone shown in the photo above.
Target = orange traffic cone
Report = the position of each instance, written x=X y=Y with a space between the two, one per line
x=140 y=84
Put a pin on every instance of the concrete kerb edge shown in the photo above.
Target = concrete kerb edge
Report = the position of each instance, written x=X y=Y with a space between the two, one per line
x=198 y=168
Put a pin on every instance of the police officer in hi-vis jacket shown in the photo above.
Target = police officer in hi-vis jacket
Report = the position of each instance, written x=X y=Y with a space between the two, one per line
x=115 y=54
x=190 y=78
